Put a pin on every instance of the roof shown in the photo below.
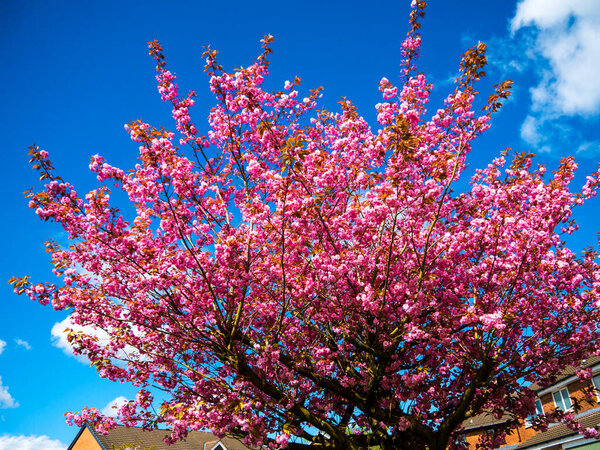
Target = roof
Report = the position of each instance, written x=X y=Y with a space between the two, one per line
x=560 y=430
x=486 y=419
x=569 y=371
x=196 y=440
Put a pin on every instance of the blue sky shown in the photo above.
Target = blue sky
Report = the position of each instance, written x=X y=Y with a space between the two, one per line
x=75 y=72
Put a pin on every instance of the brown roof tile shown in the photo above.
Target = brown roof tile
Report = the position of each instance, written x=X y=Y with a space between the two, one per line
x=197 y=439
x=560 y=430
x=155 y=439
x=484 y=420
x=569 y=371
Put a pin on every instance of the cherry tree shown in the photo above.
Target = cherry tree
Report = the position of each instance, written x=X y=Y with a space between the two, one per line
x=295 y=278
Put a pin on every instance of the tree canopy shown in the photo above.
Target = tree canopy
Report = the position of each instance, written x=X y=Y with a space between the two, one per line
x=295 y=278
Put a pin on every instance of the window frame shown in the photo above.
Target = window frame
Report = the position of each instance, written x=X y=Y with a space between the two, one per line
x=539 y=411
x=596 y=385
x=219 y=446
x=561 y=392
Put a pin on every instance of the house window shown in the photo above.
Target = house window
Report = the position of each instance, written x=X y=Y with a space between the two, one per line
x=596 y=382
x=562 y=400
x=539 y=411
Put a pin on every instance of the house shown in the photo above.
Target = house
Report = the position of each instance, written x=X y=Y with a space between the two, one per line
x=135 y=438
x=567 y=390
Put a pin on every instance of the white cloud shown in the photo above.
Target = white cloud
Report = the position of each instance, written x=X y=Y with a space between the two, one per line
x=568 y=41
x=60 y=331
x=529 y=131
x=540 y=133
x=23 y=343
x=2 y=345
x=12 y=442
x=111 y=408
x=549 y=13
x=6 y=400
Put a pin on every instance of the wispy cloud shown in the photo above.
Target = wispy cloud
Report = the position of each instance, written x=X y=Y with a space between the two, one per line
x=589 y=149
x=547 y=135
x=2 y=345
x=23 y=343
x=111 y=408
x=6 y=400
x=13 y=442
